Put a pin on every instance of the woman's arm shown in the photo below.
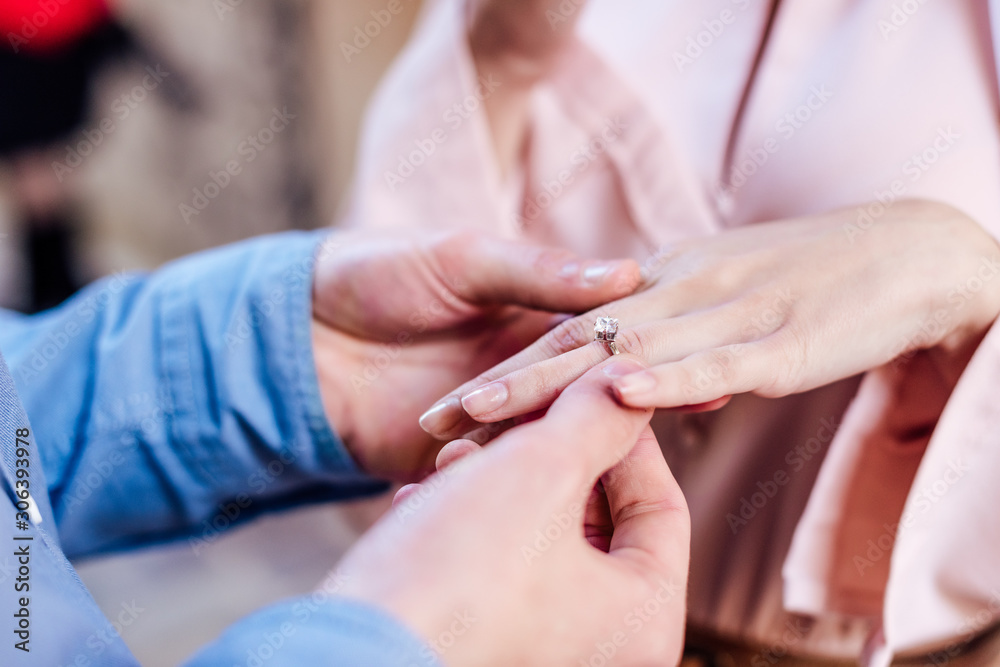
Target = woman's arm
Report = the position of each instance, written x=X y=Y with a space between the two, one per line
x=773 y=309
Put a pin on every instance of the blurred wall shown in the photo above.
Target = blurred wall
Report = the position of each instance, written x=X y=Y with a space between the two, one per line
x=342 y=84
x=147 y=171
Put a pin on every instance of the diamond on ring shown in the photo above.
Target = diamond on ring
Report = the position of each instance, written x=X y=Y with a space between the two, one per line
x=606 y=328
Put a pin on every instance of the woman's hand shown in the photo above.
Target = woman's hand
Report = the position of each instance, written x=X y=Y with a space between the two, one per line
x=503 y=529
x=399 y=321
x=772 y=309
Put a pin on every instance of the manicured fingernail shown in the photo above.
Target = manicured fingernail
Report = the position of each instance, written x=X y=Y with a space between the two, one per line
x=595 y=274
x=636 y=384
x=442 y=416
x=485 y=399
x=622 y=367
x=570 y=270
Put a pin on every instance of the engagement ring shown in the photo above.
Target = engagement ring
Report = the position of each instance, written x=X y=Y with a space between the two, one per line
x=606 y=328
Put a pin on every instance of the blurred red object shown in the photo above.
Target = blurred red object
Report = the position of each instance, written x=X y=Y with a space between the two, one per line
x=42 y=26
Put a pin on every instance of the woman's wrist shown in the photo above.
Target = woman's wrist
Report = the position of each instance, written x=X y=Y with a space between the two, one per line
x=968 y=304
x=975 y=297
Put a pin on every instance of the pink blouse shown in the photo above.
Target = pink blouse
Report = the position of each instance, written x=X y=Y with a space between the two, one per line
x=823 y=523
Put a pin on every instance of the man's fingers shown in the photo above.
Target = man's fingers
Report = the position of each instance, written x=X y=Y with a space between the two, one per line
x=404 y=493
x=586 y=428
x=487 y=271
x=455 y=451
x=648 y=509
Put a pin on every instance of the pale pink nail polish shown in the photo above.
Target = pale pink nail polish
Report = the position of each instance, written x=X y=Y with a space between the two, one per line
x=570 y=270
x=595 y=274
x=442 y=416
x=485 y=399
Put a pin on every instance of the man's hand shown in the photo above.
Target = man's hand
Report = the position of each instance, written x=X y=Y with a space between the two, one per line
x=398 y=321
x=488 y=559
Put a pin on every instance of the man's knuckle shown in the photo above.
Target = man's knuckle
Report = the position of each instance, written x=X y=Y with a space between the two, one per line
x=451 y=255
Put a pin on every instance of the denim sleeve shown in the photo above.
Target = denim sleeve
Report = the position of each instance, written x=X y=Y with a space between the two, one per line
x=174 y=404
x=332 y=633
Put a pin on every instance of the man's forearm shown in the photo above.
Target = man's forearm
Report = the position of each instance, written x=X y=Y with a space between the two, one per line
x=158 y=400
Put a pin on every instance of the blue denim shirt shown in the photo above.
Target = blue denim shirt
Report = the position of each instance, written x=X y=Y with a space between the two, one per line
x=135 y=411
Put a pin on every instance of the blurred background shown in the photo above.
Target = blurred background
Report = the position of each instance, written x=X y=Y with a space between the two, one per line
x=117 y=124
